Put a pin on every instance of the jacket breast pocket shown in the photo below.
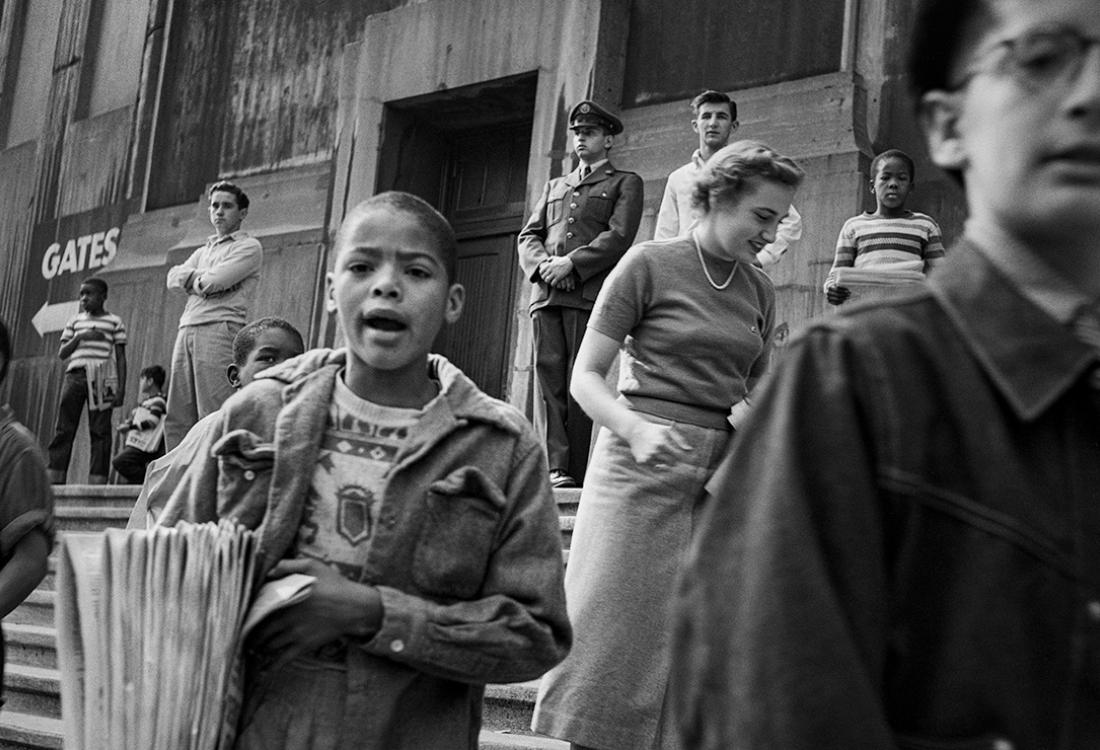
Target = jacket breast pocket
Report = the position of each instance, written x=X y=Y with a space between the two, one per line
x=554 y=210
x=598 y=207
x=455 y=543
x=245 y=462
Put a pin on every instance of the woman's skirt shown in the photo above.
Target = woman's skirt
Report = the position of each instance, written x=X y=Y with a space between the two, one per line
x=630 y=543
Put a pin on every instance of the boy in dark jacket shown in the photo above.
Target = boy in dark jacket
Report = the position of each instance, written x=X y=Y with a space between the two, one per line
x=904 y=549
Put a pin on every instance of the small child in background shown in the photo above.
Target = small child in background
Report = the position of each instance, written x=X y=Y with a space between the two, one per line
x=261 y=344
x=89 y=341
x=144 y=429
x=26 y=506
x=891 y=242
x=421 y=505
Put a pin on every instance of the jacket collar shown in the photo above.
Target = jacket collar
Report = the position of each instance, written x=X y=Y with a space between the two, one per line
x=463 y=399
x=1030 y=357
x=604 y=170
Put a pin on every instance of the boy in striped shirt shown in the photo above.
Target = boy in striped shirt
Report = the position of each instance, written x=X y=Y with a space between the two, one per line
x=88 y=342
x=893 y=240
x=144 y=429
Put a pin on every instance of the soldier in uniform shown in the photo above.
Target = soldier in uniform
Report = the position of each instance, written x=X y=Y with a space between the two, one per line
x=583 y=223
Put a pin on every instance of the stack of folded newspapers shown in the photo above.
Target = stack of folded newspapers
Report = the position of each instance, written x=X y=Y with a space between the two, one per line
x=150 y=626
x=877 y=283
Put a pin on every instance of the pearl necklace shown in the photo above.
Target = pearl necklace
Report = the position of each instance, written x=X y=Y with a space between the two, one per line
x=703 y=262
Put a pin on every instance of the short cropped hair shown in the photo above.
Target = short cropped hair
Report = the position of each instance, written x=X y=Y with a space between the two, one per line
x=419 y=209
x=725 y=176
x=245 y=340
x=229 y=187
x=155 y=373
x=710 y=96
x=894 y=153
x=938 y=38
x=97 y=282
x=5 y=350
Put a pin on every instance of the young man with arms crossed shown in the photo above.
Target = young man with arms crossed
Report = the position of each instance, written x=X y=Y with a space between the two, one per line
x=715 y=121
x=220 y=281
x=582 y=225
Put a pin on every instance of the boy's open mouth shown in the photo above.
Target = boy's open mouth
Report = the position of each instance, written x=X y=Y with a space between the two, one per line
x=384 y=323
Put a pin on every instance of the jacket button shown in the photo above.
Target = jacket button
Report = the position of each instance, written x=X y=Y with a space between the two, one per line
x=250 y=475
x=571 y=219
x=576 y=192
x=1002 y=744
x=1094 y=610
x=397 y=646
x=573 y=205
x=568 y=235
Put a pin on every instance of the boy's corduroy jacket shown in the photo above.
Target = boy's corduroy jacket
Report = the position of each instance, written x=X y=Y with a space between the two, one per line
x=466 y=550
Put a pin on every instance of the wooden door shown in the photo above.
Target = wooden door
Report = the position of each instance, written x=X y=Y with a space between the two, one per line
x=484 y=191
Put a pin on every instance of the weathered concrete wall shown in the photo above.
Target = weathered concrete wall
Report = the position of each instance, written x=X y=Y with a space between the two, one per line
x=95 y=162
x=438 y=45
x=33 y=32
x=113 y=56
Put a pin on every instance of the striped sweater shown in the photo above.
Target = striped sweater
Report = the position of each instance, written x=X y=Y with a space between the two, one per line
x=109 y=324
x=912 y=242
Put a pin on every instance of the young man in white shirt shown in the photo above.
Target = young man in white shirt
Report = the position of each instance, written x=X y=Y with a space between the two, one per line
x=220 y=280
x=715 y=121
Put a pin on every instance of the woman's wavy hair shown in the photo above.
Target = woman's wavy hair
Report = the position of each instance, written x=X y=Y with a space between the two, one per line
x=727 y=173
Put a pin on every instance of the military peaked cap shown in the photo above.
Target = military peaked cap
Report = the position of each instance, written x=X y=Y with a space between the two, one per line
x=590 y=113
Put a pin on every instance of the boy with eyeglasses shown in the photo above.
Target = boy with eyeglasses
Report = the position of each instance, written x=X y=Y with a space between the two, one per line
x=904 y=549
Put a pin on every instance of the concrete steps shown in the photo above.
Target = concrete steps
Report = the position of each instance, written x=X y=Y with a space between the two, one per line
x=31 y=717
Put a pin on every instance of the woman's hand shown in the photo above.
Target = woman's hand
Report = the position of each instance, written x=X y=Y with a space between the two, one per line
x=335 y=607
x=649 y=441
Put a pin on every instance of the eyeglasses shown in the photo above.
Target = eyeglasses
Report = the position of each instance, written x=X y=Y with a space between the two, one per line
x=1044 y=56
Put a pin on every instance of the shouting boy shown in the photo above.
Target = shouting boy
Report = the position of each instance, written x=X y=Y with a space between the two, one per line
x=421 y=505
x=905 y=549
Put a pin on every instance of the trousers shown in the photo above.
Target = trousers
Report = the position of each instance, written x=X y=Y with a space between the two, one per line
x=565 y=427
x=74 y=394
x=197 y=385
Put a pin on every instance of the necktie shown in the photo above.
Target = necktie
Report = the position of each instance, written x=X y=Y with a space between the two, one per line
x=585 y=171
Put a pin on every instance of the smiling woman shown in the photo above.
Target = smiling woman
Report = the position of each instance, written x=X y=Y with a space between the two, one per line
x=694 y=317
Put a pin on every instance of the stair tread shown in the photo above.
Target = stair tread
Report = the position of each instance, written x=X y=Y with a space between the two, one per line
x=43 y=731
x=518 y=691
x=90 y=511
x=83 y=491
x=490 y=739
x=29 y=672
x=20 y=633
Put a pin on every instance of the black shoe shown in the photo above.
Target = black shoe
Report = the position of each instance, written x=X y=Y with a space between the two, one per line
x=560 y=480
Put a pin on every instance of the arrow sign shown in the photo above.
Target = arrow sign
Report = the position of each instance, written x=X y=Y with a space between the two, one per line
x=50 y=318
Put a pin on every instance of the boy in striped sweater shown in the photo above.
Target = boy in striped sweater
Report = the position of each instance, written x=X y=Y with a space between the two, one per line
x=144 y=429
x=88 y=342
x=893 y=240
